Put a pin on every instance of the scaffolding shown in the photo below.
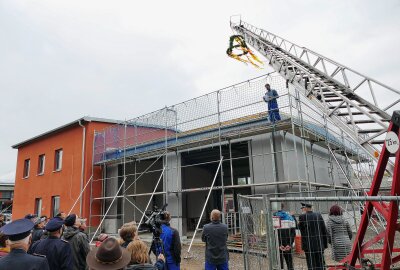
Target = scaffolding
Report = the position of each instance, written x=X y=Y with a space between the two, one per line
x=158 y=147
x=358 y=104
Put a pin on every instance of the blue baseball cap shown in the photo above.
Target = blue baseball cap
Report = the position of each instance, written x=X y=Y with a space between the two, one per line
x=54 y=224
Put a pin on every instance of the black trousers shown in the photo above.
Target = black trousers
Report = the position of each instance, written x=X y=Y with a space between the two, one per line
x=315 y=260
x=287 y=256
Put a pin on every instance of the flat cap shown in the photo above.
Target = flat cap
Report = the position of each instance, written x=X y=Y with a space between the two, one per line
x=30 y=216
x=54 y=224
x=18 y=229
x=304 y=205
x=39 y=220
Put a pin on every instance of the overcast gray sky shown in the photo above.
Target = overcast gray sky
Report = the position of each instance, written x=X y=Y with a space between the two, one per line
x=61 y=60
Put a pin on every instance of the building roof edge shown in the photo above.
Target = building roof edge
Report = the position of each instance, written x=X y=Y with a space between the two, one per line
x=68 y=125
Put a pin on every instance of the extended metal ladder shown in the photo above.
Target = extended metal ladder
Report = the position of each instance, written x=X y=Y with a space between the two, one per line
x=353 y=101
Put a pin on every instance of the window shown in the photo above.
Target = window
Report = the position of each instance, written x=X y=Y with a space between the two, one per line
x=244 y=180
x=55 y=205
x=40 y=169
x=27 y=165
x=7 y=195
x=58 y=160
x=38 y=206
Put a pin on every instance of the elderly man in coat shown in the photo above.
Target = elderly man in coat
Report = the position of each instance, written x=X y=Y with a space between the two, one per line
x=314 y=237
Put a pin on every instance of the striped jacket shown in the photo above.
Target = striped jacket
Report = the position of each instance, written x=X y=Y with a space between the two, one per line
x=339 y=236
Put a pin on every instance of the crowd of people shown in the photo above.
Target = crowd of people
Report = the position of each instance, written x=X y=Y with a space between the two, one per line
x=60 y=243
x=315 y=236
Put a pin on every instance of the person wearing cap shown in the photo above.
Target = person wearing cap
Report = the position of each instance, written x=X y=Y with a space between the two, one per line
x=19 y=237
x=31 y=217
x=286 y=235
x=57 y=251
x=77 y=240
x=38 y=229
x=313 y=237
x=108 y=256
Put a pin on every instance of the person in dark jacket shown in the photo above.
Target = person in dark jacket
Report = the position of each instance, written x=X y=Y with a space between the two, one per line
x=19 y=235
x=38 y=230
x=78 y=241
x=215 y=234
x=108 y=256
x=171 y=243
x=140 y=259
x=286 y=236
x=57 y=251
x=313 y=237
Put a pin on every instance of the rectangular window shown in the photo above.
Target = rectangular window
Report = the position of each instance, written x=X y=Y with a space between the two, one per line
x=55 y=205
x=41 y=161
x=27 y=165
x=38 y=206
x=58 y=160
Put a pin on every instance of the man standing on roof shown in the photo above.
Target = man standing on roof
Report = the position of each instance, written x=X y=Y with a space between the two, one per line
x=271 y=97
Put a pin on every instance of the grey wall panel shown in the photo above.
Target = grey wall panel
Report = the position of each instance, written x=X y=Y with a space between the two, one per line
x=111 y=188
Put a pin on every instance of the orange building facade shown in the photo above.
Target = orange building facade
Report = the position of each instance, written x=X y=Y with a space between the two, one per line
x=54 y=167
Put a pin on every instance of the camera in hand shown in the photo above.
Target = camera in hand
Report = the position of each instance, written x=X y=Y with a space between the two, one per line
x=155 y=220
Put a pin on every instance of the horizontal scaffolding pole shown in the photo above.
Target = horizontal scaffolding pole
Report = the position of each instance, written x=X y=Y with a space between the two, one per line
x=228 y=187
x=334 y=198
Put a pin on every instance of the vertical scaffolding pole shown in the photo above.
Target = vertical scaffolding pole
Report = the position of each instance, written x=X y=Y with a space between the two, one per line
x=205 y=204
x=124 y=169
x=221 y=157
x=291 y=107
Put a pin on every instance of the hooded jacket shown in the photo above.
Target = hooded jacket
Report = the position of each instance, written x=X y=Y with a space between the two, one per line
x=339 y=236
x=79 y=245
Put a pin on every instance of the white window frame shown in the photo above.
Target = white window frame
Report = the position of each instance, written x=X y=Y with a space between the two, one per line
x=41 y=169
x=53 y=204
x=38 y=206
x=58 y=156
x=27 y=168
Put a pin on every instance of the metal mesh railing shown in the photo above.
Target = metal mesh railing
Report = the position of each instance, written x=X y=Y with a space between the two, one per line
x=254 y=233
x=321 y=239
x=229 y=112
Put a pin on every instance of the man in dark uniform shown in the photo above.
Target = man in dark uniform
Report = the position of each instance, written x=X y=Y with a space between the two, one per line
x=19 y=235
x=57 y=251
x=313 y=237
x=38 y=229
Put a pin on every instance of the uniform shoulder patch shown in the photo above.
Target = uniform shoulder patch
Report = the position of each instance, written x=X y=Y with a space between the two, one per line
x=39 y=255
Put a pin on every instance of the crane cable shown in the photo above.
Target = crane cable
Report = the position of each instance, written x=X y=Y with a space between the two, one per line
x=237 y=42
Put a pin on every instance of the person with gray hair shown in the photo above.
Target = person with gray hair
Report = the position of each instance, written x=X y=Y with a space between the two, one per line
x=215 y=235
x=19 y=237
